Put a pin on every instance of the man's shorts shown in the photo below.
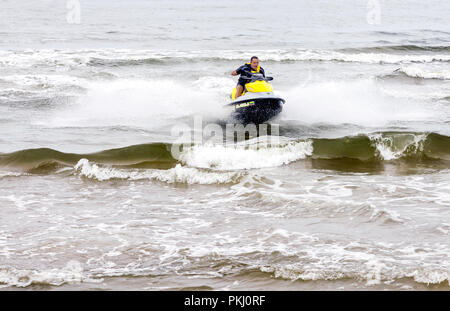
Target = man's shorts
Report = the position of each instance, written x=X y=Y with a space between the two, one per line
x=242 y=82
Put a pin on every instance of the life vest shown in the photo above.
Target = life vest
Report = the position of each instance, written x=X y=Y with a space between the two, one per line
x=254 y=71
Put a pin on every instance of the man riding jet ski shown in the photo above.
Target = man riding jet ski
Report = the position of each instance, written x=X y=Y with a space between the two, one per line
x=246 y=71
x=253 y=98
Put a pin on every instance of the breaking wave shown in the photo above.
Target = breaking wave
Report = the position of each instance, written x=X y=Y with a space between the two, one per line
x=417 y=72
x=155 y=155
x=71 y=273
x=400 y=48
x=246 y=156
x=127 y=57
x=178 y=174
x=252 y=154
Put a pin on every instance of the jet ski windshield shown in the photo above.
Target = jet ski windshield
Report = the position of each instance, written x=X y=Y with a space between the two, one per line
x=256 y=77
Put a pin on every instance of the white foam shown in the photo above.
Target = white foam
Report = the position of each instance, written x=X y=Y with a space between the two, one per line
x=374 y=58
x=417 y=72
x=71 y=273
x=390 y=150
x=375 y=264
x=10 y=174
x=45 y=81
x=247 y=156
x=144 y=103
x=178 y=174
x=431 y=276
x=28 y=58
x=362 y=102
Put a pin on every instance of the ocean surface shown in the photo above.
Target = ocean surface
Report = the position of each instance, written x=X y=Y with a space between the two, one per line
x=353 y=194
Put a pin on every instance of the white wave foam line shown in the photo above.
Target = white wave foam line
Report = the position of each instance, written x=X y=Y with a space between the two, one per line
x=373 y=271
x=11 y=174
x=387 y=149
x=373 y=263
x=374 y=58
x=322 y=259
x=29 y=58
x=178 y=174
x=45 y=80
x=32 y=57
x=71 y=273
x=309 y=55
x=416 y=72
x=238 y=157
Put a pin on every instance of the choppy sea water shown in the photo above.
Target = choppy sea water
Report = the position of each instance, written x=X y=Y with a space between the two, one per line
x=353 y=194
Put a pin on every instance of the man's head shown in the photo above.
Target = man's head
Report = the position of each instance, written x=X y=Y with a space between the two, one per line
x=254 y=62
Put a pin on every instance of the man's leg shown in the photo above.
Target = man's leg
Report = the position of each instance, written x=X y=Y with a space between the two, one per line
x=239 y=90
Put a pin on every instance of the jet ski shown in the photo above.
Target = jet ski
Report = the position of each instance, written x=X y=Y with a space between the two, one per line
x=258 y=103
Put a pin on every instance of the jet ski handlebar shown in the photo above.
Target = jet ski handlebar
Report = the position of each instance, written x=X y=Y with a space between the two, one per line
x=257 y=77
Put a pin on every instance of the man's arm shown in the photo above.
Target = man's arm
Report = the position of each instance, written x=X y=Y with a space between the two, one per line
x=238 y=71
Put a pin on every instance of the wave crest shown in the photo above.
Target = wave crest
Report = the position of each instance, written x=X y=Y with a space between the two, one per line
x=178 y=174
x=417 y=72
x=127 y=57
x=148 y=161
x=252 y=154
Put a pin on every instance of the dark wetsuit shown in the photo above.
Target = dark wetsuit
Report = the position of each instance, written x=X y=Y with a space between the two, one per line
x=246 y=71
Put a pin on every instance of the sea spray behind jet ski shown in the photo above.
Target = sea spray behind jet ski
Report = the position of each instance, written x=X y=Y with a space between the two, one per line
x=258 y=103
